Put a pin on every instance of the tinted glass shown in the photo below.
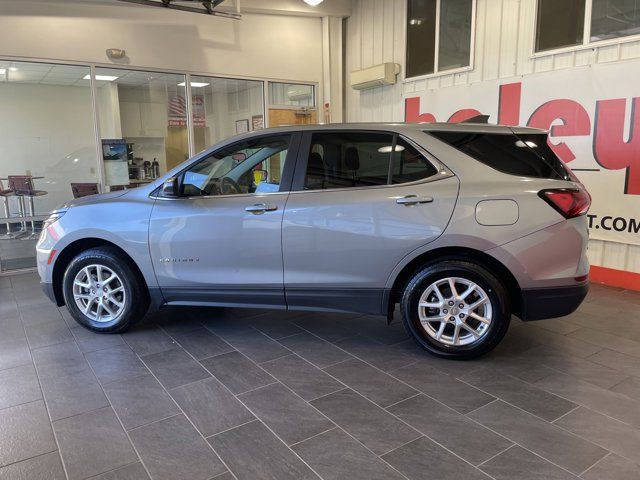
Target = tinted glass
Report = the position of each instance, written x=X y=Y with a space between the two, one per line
x=523 y=155
x=253 y=166
x=421 y=37
x=560 y=24
x=409 y=165
x=454 y=48
x=614 y=18
x=355 y=159
x=348 y=159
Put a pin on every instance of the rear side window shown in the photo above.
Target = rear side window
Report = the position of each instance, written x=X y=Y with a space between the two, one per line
x=362 y=159
x=409 y=165
x=526 y=155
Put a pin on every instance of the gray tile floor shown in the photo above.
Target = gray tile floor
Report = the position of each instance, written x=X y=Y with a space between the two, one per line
x=246 y=394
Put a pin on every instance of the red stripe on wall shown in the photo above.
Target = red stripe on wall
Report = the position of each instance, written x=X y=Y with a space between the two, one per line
x=615 y=278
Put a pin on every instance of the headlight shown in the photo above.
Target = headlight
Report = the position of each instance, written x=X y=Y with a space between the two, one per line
x=50 y=220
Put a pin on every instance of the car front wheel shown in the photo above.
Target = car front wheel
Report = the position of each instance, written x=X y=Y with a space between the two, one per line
x=456 y=309
x=102 y=292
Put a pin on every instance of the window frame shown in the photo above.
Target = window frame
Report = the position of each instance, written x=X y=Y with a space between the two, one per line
x=304 y=148
x=285 y=181
x=586 y=43
x=436 y=71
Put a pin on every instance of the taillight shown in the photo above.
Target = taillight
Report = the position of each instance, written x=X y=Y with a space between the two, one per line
x=568 y=202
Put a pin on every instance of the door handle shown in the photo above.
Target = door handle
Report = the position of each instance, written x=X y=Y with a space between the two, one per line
x=260 y=208
x=413 y=200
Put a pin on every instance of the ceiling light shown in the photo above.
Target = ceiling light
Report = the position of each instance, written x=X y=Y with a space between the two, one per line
x=387 y=149
x=313 y=3
x=193 y=84
x=103 y=78
x=13 y=69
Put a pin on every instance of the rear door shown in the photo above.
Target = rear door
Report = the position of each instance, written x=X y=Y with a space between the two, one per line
x=360 y=202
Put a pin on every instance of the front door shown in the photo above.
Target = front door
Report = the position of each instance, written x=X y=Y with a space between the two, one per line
x=361 y=202
x=219 y=242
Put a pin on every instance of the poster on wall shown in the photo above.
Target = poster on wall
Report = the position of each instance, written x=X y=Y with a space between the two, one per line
x=593 y=118
x=242 y=126
x=116 y=167
x=177 y=111
x=257 y=122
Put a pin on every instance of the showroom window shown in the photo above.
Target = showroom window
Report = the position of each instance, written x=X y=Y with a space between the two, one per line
x=223 y=107
x=68 y=131
x=292 y=104
x=253 y=166
x=570 y=23
x=143 y=124
x=362 y=159
x=47 y=145
x=439 y=36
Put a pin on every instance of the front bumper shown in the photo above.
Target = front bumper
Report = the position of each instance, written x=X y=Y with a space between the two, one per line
x=47 y=288
x=552 y=302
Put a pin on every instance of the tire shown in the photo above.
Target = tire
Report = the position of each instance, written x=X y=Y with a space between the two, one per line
x=126 y=288
x=490 y=292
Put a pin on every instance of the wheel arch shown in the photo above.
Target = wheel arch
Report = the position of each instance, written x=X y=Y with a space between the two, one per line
x=78 y=246
x=455 y=253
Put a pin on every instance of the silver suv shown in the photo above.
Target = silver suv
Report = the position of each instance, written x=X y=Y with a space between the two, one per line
x=461 y=225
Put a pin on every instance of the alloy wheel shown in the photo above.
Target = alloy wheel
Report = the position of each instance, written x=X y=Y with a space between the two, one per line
x=99 y=293
x=455 y=311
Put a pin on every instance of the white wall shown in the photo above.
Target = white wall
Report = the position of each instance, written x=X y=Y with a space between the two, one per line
x=47 y=130
x=275 y=46
x=503 y=46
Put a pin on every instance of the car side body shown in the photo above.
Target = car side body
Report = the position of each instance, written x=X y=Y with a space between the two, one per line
x=347 y=249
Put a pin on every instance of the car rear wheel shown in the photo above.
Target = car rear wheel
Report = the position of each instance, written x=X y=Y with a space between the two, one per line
x=456 y=309
x=102 y=292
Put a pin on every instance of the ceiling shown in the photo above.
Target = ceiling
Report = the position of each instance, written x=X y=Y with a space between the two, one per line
x=69 y=75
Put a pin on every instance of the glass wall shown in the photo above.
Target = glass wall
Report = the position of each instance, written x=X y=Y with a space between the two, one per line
x=292 y=104
x=47 y=142
x=54 y=145
x=143 y=124
x=223 y=107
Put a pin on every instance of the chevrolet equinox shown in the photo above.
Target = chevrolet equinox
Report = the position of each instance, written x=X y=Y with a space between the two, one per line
x=462 y=225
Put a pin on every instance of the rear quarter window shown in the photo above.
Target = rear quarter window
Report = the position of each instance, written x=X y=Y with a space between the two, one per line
x=525 y=155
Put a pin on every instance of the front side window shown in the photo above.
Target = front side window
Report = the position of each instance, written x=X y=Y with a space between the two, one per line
x=359 y=159
x=251 y=166
x=567 y=23
x=438 y=36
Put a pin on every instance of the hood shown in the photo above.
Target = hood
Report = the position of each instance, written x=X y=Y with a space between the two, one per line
x=91 y=199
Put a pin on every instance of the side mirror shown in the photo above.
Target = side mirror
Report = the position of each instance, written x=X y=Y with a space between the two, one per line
x=170 y=188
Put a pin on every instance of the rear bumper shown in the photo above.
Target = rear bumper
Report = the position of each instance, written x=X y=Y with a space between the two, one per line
x=552 y=302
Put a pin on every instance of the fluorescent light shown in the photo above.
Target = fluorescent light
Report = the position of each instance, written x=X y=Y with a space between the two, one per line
x=193 y=84
x=313 y=3
x=13 y=69
x=104 y=78
x=3 y=71
x=387 y=149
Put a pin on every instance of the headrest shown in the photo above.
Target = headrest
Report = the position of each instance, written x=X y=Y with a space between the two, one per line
x=315 y=162
x=352 y=158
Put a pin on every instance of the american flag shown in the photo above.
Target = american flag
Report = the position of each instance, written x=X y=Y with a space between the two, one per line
x=178 y=106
